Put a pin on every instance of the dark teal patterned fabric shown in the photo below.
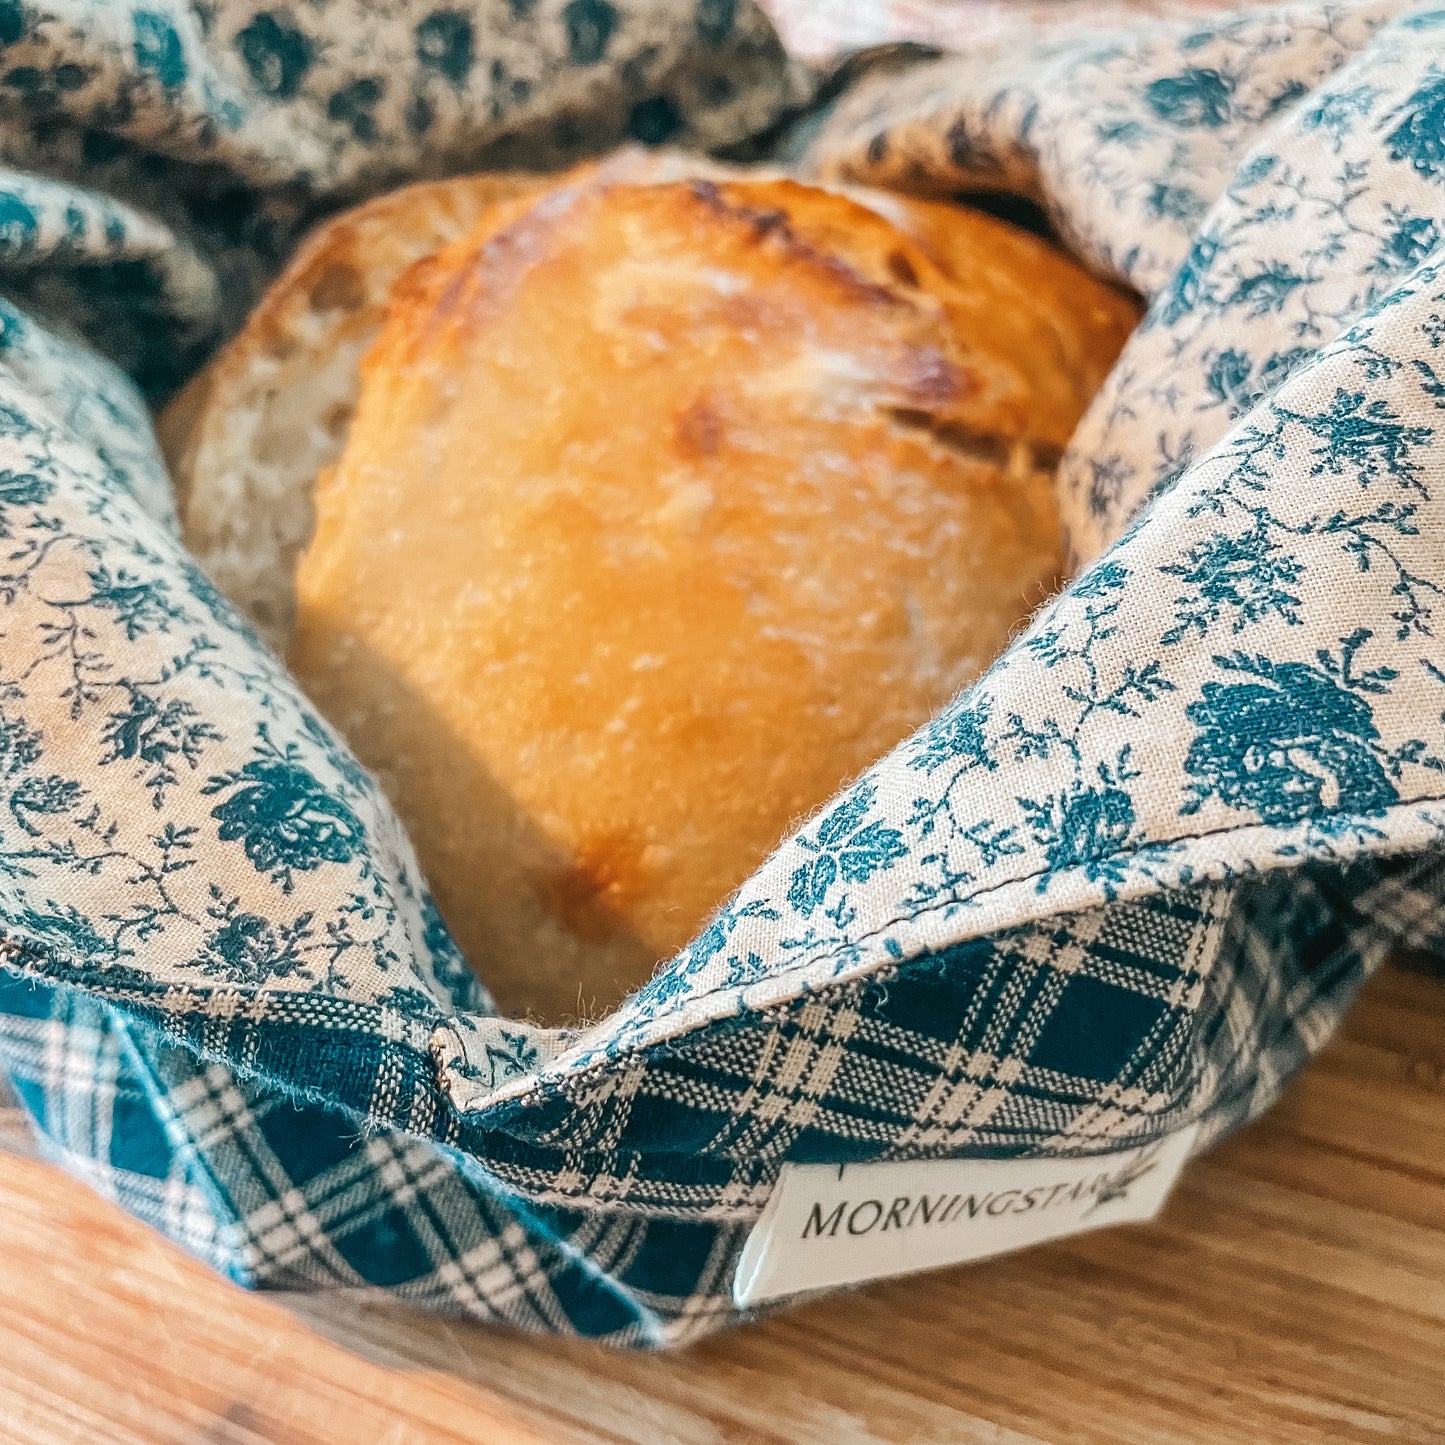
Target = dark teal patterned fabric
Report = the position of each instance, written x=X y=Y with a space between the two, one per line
x=1127 y=883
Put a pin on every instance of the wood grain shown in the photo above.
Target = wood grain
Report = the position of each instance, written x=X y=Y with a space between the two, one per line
x=1294 y=1291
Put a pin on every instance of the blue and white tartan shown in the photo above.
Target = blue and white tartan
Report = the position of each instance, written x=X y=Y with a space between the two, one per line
x=289 y=1194
x=1129 y=882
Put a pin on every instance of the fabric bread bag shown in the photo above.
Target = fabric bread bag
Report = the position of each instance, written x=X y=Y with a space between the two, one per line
x=1110 y=896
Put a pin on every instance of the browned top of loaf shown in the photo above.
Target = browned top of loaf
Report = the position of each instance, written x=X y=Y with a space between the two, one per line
x=664 y=511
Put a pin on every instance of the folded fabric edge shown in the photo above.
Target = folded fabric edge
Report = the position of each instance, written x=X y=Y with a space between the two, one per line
x=1293 y=962
x=560 y=1146
x=473 y=1063
x=473 y=1081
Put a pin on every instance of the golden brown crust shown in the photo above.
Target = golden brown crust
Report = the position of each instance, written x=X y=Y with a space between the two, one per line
x=664 y=511
x=1061 y=328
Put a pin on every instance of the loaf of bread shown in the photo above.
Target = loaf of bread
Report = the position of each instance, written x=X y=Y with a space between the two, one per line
x=663 y=511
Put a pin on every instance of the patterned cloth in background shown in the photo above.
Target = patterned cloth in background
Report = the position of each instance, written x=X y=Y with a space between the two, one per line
x=1128 y=882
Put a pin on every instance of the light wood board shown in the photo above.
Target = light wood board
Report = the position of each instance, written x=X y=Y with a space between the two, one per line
x=1294 y=1291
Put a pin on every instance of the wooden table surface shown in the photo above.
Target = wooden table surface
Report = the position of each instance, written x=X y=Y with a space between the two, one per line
x=1294 y=1290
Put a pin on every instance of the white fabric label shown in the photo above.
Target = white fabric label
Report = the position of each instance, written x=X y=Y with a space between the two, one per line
x=830 y=1225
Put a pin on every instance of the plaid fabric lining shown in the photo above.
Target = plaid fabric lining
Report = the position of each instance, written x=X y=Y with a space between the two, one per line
x=70 y=1062
x=1071 y=1036
x=284 y=1195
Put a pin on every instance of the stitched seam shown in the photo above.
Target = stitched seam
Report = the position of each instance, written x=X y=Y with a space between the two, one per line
x=583 y=1076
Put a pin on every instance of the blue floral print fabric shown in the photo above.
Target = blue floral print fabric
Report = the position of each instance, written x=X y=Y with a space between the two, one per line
x=1127 y=883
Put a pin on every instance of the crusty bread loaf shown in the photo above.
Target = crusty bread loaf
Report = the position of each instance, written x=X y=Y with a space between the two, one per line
x=664 y=510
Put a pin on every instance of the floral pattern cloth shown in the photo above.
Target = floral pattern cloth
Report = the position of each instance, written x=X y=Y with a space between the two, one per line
x=1127 y=882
